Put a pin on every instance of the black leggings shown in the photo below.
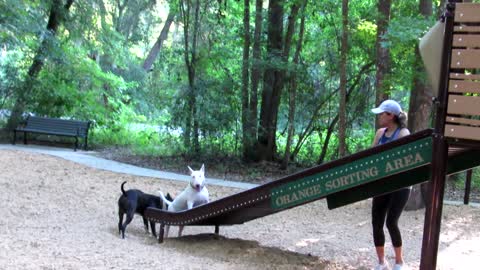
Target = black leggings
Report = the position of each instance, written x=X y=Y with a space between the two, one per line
x=389 y=206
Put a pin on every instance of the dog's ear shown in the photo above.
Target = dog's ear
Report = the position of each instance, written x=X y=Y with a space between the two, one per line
x=190 y=169
x=203 y=168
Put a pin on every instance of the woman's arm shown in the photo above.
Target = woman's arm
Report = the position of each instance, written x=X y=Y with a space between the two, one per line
x=378 y=135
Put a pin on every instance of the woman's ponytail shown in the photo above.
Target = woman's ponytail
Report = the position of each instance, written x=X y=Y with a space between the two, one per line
x=401 y=120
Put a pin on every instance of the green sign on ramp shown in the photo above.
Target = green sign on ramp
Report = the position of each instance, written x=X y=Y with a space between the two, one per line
x=355 y=173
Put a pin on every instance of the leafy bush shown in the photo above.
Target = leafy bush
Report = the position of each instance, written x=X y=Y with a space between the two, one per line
x=11 y=74
x=460 y=178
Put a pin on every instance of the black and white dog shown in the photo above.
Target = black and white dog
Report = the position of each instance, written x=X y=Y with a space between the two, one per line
x=134 y=201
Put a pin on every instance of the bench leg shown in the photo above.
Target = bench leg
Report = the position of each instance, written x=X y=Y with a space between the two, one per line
x=76 y=144
x=24 y=137
x=85 y=144
x=217 y=229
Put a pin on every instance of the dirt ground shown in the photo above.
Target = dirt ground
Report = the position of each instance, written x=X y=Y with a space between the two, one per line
x=60 y=215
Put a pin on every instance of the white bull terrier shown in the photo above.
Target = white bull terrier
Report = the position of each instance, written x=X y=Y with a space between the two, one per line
x=194 y=194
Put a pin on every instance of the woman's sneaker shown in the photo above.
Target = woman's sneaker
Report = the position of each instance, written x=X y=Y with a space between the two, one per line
x=399 y=267
x=383 y=266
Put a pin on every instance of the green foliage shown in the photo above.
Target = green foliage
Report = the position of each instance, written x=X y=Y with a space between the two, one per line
x=366 y=31
x=476 y=178
x=17 y=33
x=11 y=74
x=16 y=21
x=93 y=70
x=460 y=178
x=72 y=85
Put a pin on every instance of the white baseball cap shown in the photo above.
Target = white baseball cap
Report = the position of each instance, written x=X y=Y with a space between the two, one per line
x=390 y=106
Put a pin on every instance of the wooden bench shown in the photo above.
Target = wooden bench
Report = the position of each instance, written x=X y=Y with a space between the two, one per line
x=54 y=126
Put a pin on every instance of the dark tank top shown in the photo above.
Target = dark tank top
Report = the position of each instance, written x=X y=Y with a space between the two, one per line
x=384 y=139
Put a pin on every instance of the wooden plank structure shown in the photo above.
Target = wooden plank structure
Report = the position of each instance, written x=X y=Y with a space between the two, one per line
x=463 y=122
x=458 y=109
x=310 y=185
x=382 y=169
x=430 y=155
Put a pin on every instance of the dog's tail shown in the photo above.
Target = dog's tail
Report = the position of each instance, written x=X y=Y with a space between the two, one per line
x=123 y=190
x=165 y=201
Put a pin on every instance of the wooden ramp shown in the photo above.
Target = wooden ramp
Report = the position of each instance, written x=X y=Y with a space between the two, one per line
x=375 y=171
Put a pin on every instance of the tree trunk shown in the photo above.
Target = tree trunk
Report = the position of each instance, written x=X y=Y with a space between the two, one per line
x=247 y=139
x=441 y=8
x=126 y=16
x=350 y=90
x=249 y=154
x=190 y=53
x=152 y=55
x=292 y=92
x=383 y=53
x=57 y=15
x=308 y=130
x=419 y=109
x=273 y=81
x=342 y=126
x=196 y=33
x=330 y=130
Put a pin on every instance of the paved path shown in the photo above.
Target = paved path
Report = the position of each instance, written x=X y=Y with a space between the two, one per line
x=86 y=158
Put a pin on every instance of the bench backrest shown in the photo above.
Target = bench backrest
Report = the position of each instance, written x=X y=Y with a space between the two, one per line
x=72 y=127
x=463 y=109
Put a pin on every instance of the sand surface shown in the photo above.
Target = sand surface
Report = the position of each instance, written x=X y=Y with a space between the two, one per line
x=57 y=214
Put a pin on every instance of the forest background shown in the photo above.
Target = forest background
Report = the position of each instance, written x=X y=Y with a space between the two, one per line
x=284 y=81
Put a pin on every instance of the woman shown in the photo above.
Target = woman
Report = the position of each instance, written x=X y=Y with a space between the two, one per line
x=387 y=208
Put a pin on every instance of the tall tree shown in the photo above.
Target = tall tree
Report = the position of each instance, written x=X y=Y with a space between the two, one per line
x=190 y=16
x=249 y=151
x=353 y=85
x=128 y=17
x=272 y=83
x=441 y=8
x=247 y=139
x=57 y=15
x=292 y=90
x=382 y=52
x=420 y=105
x=421 y=93
x=152 y=55
x=342 y=126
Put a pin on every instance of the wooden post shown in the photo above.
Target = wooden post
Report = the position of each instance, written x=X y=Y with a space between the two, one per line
x=162 y=233
x=433 y=211
x=436 y=186
x=468 y=184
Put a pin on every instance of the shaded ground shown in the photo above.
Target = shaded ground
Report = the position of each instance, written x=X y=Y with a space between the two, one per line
x=57 y=214
x=233 y=169
x=229 y=168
